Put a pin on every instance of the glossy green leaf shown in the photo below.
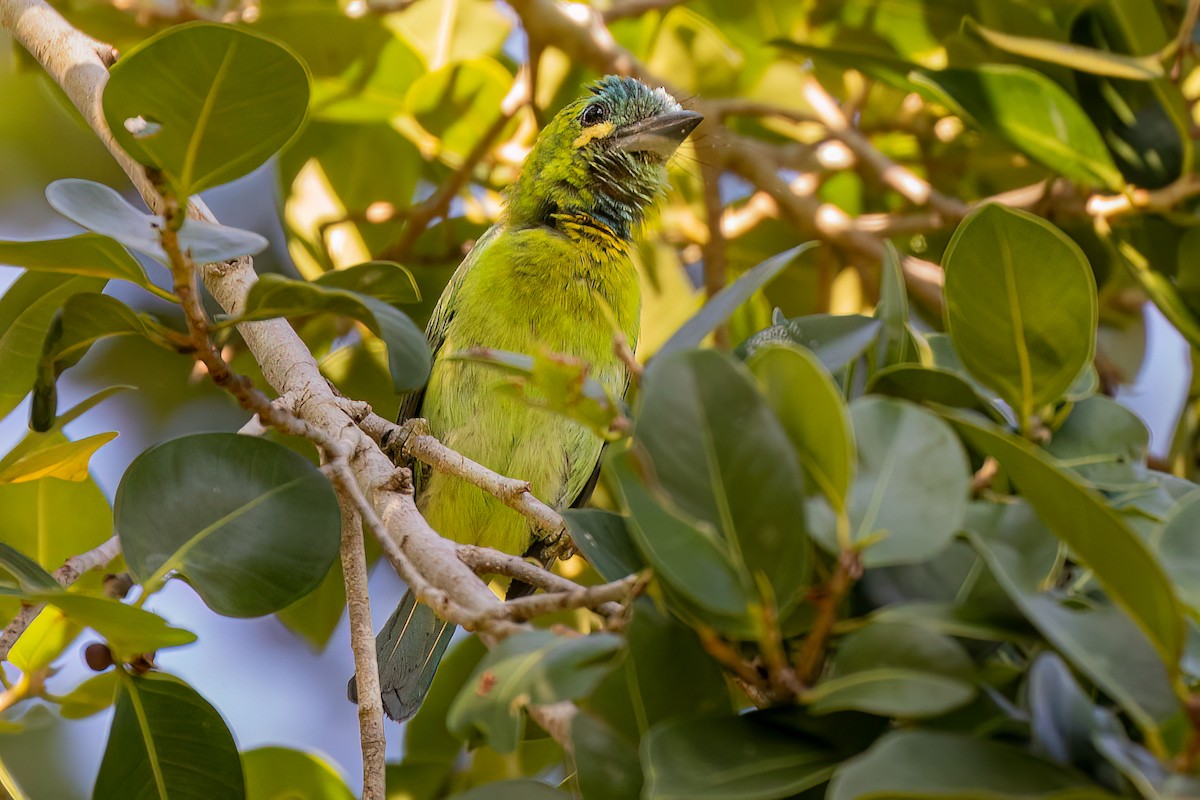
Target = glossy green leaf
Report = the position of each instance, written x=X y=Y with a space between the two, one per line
x=646 y=688
x=1032 y=112
x=85 y=319
x=408 y=352
x=256 y=526
x=101 y=209
x=685 y=554
x=1021 y=306
x=535 y=667
x=604 y=540
x=1179 y=550
x=1104 y=442
x=26 y=309
x=930 y=385
x=723 y=458
x=85 y=254
x=1097 y=535
x=1084 y=59
x=606 y=764
x=722 y=305
x=205 y=103
x=896 y=670
x=162 y=729
x=50 y=633
x=943 y=765
x=51 y=520
x=315 y=616
x=280 y=773
x=67 y=461
x=809 y=404
x=29 y=574
x=90 y=697
x=1102 y=642
x=835 y=339
x=910 y=494
x=128 y=631
x=730 y=758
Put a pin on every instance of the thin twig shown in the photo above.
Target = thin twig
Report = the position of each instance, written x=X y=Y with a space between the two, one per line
x=71 y=570
x=414 y=441
x=828 y=601
x=362 y=643
x=597 y=598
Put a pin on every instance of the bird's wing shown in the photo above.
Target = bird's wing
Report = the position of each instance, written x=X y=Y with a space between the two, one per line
x=443 y=313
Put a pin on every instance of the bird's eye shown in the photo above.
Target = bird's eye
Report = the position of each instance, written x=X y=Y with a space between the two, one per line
x=593 y=114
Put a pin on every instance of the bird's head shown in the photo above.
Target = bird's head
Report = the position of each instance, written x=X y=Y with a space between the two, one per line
x=602 y=158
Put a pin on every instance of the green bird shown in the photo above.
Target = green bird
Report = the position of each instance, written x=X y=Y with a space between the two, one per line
x=537 y=279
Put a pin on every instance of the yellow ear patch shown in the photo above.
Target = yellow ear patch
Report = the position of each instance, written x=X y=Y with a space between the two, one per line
x=601 y=130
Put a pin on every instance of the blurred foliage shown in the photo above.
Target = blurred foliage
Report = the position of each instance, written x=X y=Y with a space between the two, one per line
x=886 y=560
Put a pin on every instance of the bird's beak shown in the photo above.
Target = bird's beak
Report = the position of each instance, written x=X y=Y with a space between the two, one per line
x=661 y=134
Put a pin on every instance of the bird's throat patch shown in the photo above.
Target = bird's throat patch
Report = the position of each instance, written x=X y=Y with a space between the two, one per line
x=601 y=130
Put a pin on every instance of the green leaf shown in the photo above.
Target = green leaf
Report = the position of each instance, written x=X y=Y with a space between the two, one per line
x=280 y=773
x=512 y=790
x=647 y=688
x=51 y=520
x=835 y=339
x=460 y=30
x=67 y=461
x=723 y=458
x=458 y=102
x=892 y=310
x=535 y=667
x=1179 y=551
x=730 y=758
x=910 y=495
x=1084 y=59
x=30 y=576
x=1021 y=306
x=896 y=670
x=810 y=406
x=604 y=540
x=161 y=731
x=84 y=319
x=1102 y=643
x=416 y=780
x=606 y=764
x=255 y=526
x=930 y=385
x=1105 y=443
x=26 y=309
x=1032 y=112
x=128 y=631
x=408 y=352
x=943 y=765
x=50 y=633
x=1096 y=534
x=90 y=697
x=214 y=102
x=315 y=616
x=85 y=254
x=722 y=305
x=385 y=280
x=687 y=555
x=101 y=209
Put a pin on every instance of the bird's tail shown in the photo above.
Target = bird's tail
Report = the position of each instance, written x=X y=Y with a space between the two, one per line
x=410 y=647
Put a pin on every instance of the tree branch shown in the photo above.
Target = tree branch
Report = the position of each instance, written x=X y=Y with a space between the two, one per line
x=71 y=570
x=362 y=643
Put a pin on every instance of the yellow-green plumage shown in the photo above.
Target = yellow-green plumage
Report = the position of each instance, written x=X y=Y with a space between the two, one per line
x=535 y=289
x=540 y=279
